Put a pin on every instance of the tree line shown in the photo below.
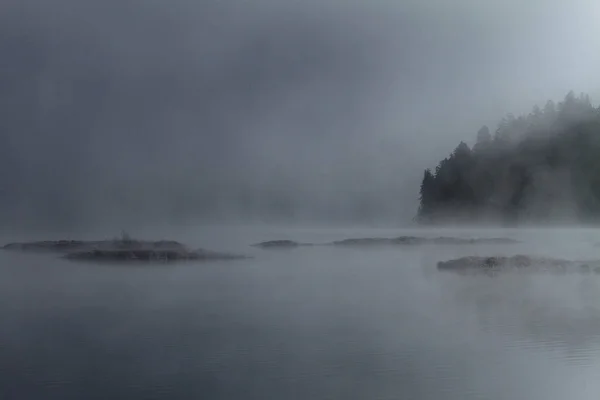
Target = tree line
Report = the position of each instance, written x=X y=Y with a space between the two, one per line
x=539 y=167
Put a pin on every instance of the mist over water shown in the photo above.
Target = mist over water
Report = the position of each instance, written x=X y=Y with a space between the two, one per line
x=224 y=123
x=315 y=322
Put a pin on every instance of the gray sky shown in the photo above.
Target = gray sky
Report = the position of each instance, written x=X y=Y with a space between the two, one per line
x=156 y=109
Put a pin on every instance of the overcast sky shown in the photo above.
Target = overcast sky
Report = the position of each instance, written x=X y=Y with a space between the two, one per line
x=180 y=107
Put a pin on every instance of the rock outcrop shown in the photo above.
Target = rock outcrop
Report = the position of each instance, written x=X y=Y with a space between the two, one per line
x=363 y=242
x=52 y=246
x=67 y=246
x=420 y=240
x=397 y=241
x=120 y=250
x=518 y=262
x=279 y=244
x=459 y=241
x=149 y=255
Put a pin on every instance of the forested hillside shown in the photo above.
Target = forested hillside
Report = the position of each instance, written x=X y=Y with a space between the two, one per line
x=540 y=167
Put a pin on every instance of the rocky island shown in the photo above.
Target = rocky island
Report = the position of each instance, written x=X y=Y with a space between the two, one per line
x=517 y=262
x=397 y=241
x=124 y=249
x=280 y=244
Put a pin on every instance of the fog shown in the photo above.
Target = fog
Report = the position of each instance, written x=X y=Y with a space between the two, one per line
x=317 y=322
x=124 y=112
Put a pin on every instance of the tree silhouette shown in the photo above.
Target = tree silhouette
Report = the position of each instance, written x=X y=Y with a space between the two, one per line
x=536 y=167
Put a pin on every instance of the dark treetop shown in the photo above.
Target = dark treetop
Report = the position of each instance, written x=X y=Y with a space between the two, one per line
x=540 y=167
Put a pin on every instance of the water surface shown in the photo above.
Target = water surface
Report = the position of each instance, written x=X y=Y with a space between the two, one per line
x=305 y=323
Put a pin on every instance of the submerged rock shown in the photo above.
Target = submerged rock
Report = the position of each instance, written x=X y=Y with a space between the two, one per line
x=466 y=264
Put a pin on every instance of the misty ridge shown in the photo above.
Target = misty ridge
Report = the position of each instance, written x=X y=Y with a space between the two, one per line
x=131 y=112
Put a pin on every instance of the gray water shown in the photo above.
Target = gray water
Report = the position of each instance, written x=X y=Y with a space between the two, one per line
x=306 y=323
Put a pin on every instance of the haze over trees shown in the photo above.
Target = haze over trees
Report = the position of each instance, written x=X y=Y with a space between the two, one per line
x=123 y=113
x=540 y=167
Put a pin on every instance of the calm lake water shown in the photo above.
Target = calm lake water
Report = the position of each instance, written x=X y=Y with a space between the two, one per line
x=306 y=323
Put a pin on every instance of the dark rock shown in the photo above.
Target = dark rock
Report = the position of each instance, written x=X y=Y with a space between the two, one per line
x=149 y=255
x=397 y=241
x=278 y=244
x=67 y=246
x=363 y=242
x=120 y=250
x=49 y=246
x=410 y=240
x=459 y=241
x=517 y=262
x=418 y=240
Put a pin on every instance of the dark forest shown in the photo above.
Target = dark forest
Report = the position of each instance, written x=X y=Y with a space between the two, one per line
x=541 y=167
